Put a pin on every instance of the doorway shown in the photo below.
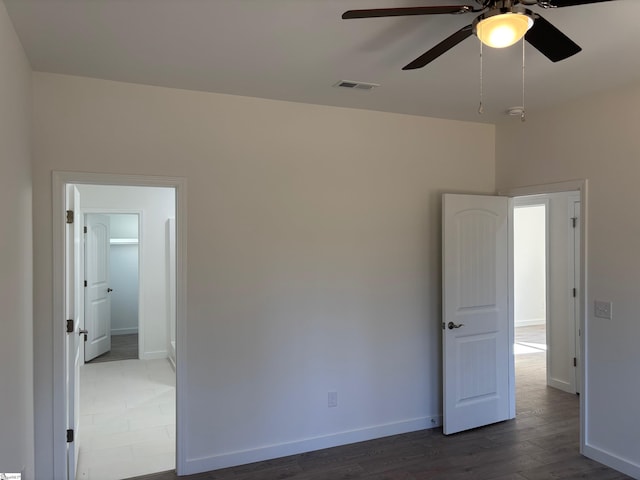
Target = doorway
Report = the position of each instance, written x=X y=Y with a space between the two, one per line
x=127 y=407
x=530 y=266
x=122 y=267
x=156 y=361
x=579 y=268
x=478 y=259
x=546 y=292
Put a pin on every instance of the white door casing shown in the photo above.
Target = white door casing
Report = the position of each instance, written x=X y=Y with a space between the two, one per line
x=97 y=291
x=60 y=400
x=73 y=306
x=574 y=275
x=477 y=351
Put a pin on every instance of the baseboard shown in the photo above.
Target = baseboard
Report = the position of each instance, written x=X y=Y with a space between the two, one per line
x=613 y=461
x=215 y=462
x=154 y=355
x=530 y=322
x=560 y=385
x=124 y=331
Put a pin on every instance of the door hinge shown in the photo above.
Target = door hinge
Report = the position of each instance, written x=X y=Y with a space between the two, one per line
x=85 y=230
x=69 y=436
x=85 y=283
x=443 y=326
x=574 y=221
x=575 y=362
x=69 y=216
x=575 y=293
x=70 y=326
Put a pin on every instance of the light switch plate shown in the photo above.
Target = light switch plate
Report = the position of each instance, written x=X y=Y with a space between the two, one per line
x=332 y=399
x=602 y=309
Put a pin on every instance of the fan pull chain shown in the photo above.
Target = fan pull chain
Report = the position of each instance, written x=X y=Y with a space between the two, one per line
x=523 y=116
x=481 y=106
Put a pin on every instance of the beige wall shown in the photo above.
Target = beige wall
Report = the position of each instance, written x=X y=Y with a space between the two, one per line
x=529 y=265
x=313 y=254
x=596 y=138
x=16 y=267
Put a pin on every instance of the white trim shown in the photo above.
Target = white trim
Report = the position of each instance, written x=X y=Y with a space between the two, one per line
x=59 y=294
x=560 y=385
x=530 y=322
x=511 y=309
x=558 y=187
x=123 y=241
x=572 y=267
x=124 y=331
x=242 y=457
x=154 y=355
x=581 y=186
x=59 y=182
x=620 y=464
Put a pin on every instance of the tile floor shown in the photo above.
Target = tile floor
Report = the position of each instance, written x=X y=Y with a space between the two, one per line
x=127 y=419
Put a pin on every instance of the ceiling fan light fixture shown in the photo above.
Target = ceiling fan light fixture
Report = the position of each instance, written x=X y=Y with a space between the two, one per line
x=500 y=29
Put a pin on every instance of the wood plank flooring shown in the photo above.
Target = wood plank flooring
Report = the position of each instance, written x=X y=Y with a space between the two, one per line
x=123 y=347
x=540 y=444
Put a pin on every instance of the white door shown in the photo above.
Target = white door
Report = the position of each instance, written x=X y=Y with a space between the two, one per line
x=97 y=290
x=477 y=349
x=73 y=307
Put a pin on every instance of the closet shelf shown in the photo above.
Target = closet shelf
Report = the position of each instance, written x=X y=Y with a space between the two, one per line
x=123 y=241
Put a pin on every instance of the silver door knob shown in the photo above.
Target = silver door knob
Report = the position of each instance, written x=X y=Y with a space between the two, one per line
x=452 y=325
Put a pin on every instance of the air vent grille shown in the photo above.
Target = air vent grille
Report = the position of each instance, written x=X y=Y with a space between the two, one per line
x=356 y=85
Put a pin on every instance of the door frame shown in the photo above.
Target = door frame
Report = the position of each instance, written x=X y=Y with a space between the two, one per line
x=580 y=186
x=60 y=180
x=571 y=385
x=139 y=213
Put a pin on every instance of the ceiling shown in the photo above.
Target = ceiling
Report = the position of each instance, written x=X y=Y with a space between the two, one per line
x=297 y=50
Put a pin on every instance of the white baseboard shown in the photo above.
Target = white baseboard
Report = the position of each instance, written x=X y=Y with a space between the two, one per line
x=215 y=462
x=124 y=331
x=613 y=461
x=154 y=355
x=529 y=322
x=560 y=385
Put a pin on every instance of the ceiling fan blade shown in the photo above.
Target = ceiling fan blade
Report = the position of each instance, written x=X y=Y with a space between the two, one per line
x=441 y=48
x=406 y=11
x=550 y=41
x=571 y=3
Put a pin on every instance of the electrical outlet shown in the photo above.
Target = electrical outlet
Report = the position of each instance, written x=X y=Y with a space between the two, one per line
x=602 y=309
x=332 y=399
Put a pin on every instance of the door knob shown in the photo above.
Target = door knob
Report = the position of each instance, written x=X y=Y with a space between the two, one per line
x=84 y=332
x=109 y=290
x=452 y=325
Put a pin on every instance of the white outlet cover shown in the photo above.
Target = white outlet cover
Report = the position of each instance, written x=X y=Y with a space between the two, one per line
x=602 y=309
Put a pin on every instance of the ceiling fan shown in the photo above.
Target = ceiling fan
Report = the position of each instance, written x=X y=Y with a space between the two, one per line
x=500 y=23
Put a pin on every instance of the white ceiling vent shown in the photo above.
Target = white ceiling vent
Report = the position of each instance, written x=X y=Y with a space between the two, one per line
x=356 y=85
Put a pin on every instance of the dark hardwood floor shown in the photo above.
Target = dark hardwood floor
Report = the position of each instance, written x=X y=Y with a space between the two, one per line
x=541 y=443
x=123 y=347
